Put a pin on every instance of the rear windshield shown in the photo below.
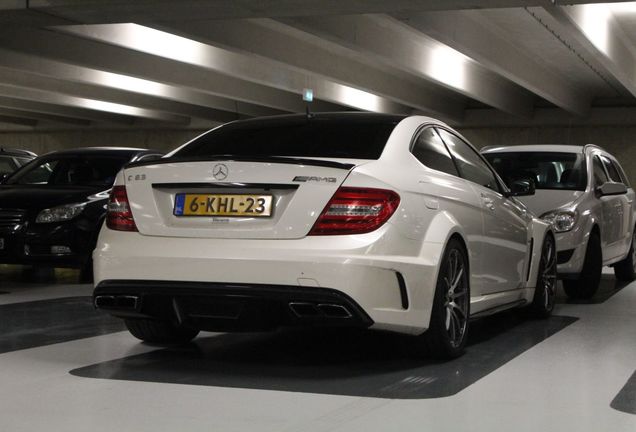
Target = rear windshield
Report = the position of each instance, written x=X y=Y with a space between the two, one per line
x=353 y=138
x=71 y=171
x=548 y=170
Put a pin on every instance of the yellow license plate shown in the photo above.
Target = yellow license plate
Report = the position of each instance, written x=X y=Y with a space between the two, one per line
x=186 y=204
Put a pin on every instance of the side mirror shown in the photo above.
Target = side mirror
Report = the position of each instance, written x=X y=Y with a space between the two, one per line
x=611 y=188
x=521 y=188
x=3 y=177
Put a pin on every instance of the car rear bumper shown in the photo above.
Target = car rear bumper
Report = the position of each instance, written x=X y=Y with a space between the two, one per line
x=224 y=307
x=394 y=288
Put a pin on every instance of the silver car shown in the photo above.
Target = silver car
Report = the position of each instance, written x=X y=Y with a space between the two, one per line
x=585 y=194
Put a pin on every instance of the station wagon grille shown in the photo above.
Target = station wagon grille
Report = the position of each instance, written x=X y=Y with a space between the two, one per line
x=9 y=218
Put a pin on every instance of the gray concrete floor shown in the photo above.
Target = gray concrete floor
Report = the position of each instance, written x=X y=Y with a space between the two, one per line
x=66 y=367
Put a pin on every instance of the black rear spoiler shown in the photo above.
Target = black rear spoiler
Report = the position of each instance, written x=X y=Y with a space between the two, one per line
x=231 y=158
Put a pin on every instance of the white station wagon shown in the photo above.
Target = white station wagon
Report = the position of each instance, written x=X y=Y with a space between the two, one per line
x=585 y=194
x=350 y=219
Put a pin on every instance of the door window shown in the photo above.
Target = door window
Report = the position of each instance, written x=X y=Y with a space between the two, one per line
x=471 y=166
x=611 y=170
x=431 y=151
x=599 y=172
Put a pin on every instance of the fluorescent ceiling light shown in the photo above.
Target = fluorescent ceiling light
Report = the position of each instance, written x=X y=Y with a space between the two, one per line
x=359 y=99
x=622 y=7
x=448 y=66
x=181 y=49
x=596 y=19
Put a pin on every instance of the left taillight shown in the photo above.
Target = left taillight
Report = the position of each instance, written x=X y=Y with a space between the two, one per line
x=119 y=216
x=354 y=210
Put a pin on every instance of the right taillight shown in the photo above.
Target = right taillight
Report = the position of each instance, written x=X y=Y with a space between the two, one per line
x=356 y=211
x=119 y=216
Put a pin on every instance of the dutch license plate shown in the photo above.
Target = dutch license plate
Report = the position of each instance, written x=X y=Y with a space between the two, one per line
x=222 y=205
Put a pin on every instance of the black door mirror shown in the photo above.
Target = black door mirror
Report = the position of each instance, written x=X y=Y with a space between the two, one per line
x=3 y=177
x=611 y=188
x=521 y=187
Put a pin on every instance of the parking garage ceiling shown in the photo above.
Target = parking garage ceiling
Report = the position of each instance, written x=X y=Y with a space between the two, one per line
x=67 y=64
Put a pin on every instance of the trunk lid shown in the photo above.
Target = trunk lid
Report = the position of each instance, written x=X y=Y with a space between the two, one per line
x=299 y=191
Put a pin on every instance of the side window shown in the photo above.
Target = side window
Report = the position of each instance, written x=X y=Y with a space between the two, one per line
x=431 y=151
x=622 y=173
x=611 y=170
x=471 y=166
x=599 y=173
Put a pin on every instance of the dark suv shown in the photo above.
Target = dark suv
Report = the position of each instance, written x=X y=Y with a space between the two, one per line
x=12 y=159
x=52 y=208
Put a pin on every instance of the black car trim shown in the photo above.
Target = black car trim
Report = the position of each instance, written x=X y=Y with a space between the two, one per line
x=265 y=186
x=183 y=290
x=564 y=256
x=230 y=158
x=404 y=297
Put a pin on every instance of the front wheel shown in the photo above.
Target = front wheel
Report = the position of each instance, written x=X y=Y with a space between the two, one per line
x=586 y=285
x=448 y=330
x=545 y=291
x=625 y=270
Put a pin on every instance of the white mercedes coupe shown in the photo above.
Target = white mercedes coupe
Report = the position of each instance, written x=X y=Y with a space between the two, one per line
x=348 y=219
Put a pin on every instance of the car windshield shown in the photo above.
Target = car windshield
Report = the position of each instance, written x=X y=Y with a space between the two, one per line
x=548 y=170
x=70 y=171
x=355 y=138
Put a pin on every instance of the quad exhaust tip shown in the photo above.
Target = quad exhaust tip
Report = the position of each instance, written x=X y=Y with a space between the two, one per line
x=311 y=310
x=120 y=302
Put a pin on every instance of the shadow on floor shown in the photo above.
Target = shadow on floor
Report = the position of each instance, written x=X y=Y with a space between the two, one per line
x=625 y=400
x=333 y=361
x=608 y=287
x=46 y=322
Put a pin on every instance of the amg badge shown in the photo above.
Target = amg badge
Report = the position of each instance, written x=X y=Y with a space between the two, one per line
x=304 y=179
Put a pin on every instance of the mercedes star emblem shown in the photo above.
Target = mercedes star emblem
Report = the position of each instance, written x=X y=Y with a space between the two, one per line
x=220 y=171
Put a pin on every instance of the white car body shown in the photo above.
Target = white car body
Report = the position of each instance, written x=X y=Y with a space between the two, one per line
x=613 y=215
x=390 y=273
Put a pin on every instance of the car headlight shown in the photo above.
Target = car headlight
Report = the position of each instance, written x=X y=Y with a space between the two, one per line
x=60 y=213
x=561 y=221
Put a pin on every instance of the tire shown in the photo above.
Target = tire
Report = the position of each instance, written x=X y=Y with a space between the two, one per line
x=545 y=291
x=446 y=336
x=586 y=285
x=625 y=270
x=160 y=332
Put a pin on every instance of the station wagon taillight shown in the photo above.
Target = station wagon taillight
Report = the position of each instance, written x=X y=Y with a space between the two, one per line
x=119 y=216
x=355 y=210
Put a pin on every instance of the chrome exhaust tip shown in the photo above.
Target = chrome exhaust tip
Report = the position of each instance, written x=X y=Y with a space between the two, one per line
x=334 y=310
x=122 y=302
x=304 y=310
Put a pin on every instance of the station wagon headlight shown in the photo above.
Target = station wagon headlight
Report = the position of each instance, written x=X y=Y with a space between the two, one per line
x=561 y=221
x=60 y=213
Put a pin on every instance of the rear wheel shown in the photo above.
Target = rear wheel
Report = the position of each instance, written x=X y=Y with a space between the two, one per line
x=625 y=270
x=545 y=291
x=586 y=285
x=160 y=332
x=448 y=330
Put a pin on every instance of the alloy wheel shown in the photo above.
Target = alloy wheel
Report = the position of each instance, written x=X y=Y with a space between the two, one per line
x=548 y=277
x=456 y=300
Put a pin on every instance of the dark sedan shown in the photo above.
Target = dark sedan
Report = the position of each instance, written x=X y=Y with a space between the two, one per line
x=51 y=209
